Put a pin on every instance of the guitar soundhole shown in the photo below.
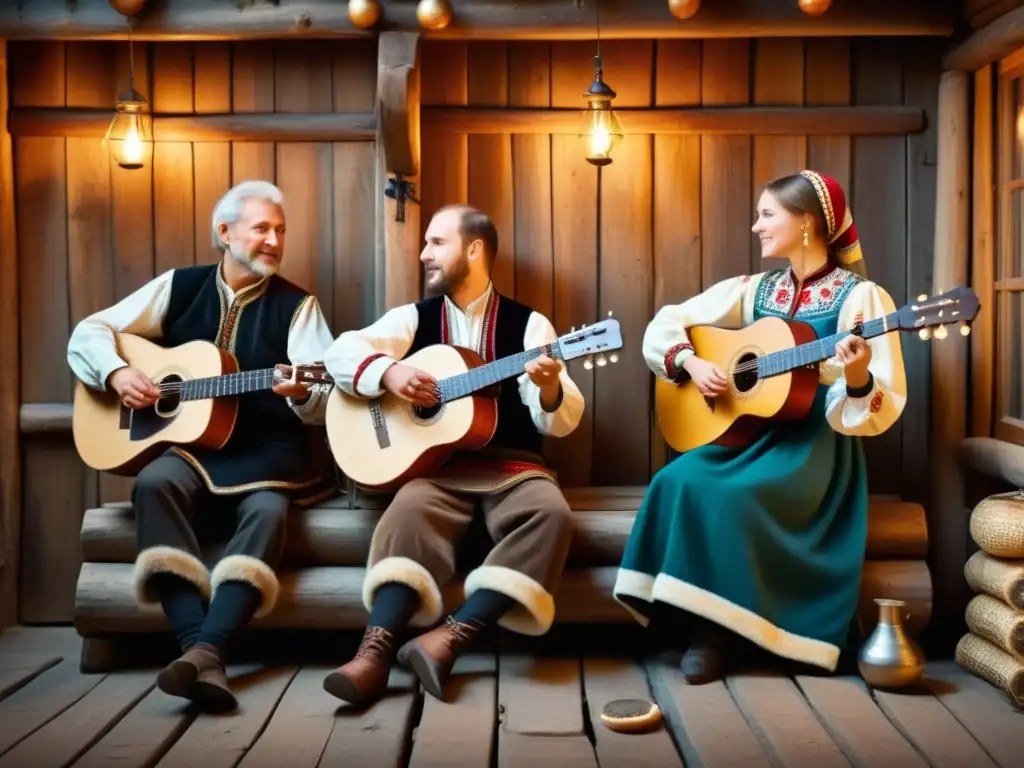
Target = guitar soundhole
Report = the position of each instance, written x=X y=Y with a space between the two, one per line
x=744 y=373
x=427 y=413
x=169 y=402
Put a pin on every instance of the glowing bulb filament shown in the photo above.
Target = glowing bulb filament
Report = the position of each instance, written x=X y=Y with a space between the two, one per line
x=131 y=147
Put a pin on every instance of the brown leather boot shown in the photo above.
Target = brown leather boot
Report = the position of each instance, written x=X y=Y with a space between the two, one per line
x=707 y=657
x=365 y=678
x=198 y=675
x=432 y=655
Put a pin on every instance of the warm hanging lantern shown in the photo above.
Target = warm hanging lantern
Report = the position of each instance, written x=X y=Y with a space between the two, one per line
x=129 y=128
x=683 y=9
x=601 y=129
x=364 y=13
x=433 y=14
x=815 y=7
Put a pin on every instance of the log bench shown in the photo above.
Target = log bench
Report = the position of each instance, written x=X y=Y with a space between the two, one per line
x=325 y=556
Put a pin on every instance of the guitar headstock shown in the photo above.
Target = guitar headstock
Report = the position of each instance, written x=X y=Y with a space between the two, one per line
x=959 y=306
x=597 y=339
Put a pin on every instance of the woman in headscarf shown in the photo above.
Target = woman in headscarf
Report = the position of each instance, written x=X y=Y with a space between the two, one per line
x=766 y=542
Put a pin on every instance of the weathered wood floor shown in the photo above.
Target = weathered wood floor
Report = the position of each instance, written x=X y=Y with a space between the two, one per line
x=505 y=710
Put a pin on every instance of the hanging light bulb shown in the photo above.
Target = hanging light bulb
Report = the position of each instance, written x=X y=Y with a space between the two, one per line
x=128 y=130
x=683 y=9
x=601 y=128
x=433 y=14
x=364 y=13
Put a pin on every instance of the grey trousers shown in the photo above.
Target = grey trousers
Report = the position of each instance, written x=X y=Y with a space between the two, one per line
x=175 y=512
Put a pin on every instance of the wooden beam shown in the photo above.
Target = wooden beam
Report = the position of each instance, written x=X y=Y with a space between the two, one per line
x=44 y=417
x=489 y=19
x=398 y=147
x=999 y=38
x=950 y=358
x=10 y=375
x=983 y=259
x=252 y=126
x=758 y=121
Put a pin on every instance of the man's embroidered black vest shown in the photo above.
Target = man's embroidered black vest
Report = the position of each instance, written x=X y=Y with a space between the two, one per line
x=502 y=336
x=268 y=448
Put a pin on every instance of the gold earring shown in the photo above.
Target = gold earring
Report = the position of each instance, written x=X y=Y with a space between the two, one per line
x=805 y=237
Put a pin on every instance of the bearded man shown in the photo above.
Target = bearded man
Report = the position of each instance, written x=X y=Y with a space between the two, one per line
x=242 y=491
x=413 y=549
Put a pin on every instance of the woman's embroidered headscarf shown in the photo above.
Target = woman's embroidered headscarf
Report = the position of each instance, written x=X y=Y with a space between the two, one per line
x=841 y=231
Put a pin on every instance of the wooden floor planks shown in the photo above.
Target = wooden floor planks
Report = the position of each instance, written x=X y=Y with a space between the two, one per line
x=501 y=708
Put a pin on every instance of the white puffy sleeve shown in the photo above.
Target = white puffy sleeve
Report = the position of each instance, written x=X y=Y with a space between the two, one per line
x=358 y=359
x=873 y=411
x=727 y=304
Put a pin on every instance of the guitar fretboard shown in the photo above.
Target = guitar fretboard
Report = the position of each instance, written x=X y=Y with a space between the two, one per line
x=227 y=384
x=463 y=384
x=784 y=360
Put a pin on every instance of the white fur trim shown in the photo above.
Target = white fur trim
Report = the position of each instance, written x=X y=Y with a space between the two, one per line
x=253 y=572
x=726 y=613
x=413 y=575
x=156 y=560
x=536 y=610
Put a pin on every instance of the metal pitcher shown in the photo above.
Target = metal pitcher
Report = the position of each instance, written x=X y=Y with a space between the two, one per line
x=890 y=658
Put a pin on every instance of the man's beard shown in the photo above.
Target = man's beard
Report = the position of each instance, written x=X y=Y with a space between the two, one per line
x=253 y=263
x=444 y=284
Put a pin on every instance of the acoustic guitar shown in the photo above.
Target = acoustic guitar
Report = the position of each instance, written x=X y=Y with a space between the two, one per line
x=771 y=369
x=199 y=384
x=384 y=442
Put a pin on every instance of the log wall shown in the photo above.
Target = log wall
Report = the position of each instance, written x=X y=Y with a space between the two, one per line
x=671 y=216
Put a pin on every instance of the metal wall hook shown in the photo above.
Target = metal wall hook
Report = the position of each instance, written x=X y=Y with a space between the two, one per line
x=400 y=190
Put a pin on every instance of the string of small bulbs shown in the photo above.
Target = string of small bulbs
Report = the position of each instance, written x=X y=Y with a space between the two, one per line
x=431 y=14
x=686 y=9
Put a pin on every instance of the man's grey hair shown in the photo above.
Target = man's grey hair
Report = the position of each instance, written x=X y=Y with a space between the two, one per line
x=229 y=208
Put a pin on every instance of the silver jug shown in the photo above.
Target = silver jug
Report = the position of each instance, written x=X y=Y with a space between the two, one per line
x=890 y=658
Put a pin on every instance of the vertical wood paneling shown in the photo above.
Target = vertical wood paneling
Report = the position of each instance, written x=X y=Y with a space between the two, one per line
x=211 y=159
x=53 y=480
x=174 y=217
x=574 y=207
x=622 y=443
x=778 y=81
x=880 y=210
x=354 y=291
x=677 y=201
x=725 y=166
x=489 y=157
x=922 y=68
x=530 y=86
x=444 y=176
x=829 y=84
x=303 y=83
x=252 y=90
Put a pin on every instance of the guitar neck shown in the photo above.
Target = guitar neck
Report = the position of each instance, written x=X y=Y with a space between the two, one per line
x=463 y=384
x=227 y=384
x=784 y=360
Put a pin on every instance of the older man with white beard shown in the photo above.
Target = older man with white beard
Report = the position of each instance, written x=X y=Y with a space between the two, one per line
x=241 y=305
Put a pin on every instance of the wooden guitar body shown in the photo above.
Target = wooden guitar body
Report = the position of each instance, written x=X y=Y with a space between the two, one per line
x=688 y=420
x=111 y=437
x=383 y=443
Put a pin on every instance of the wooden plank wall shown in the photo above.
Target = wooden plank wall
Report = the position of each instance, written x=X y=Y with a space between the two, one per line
x=672 y=214
x=90 y=233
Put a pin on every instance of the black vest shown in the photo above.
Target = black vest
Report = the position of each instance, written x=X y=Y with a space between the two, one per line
x=502 y=337
x=268 y=448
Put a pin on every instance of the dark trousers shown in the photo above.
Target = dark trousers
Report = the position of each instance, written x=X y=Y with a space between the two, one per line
x=174 y=512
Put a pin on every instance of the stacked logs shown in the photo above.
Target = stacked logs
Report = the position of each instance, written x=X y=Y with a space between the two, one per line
x=993 y=648
x=327 y=547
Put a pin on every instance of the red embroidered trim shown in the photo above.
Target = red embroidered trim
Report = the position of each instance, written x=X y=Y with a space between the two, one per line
x=362 y=368
x=489 y=345
x=876 y=402
x=670 y=359
x=444 y=322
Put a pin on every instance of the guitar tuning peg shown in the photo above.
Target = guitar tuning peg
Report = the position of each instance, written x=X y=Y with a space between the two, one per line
x=965 y=329
x=582 y=326
x=572 y=329
x=613 y=357
x=924 y=334
x=602 y=361
x=588 y=362
x=609 y=313
x=940 y=332
x=923 y=297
